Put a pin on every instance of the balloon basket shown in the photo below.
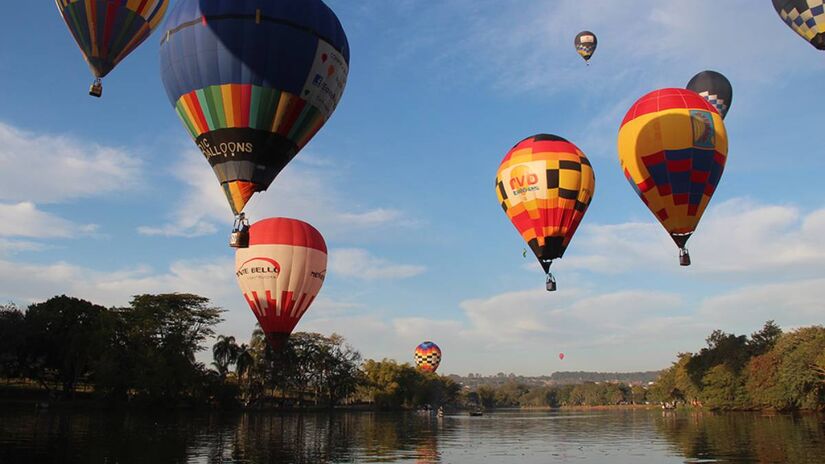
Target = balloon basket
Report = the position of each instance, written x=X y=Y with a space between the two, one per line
x=684 y=257
x=239 y=238
x=96 y=89
x=551 y=283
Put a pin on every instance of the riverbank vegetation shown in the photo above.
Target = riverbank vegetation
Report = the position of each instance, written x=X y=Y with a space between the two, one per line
x=145 y=354
x=768 y=370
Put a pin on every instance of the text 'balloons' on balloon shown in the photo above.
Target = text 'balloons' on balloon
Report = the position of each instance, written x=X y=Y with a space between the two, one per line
x=806 y=18
x=427 y=356
x=253 y=81
x=672 y=148
x=108 y=31
x=281 y=273
x=715 y=88
x=545 y=184
x=586 y=43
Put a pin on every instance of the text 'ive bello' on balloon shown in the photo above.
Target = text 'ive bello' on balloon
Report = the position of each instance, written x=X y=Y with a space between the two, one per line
x=545 y=185
x=252 y=81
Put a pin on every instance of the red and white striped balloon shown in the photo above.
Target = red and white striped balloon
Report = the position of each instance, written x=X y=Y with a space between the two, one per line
x=281 y=273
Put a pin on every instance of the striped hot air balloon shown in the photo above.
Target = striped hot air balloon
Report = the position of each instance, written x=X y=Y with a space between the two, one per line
x=106 y=30
x=545 y=184
x=252 y=81
x=281 y=273
x=672 y=149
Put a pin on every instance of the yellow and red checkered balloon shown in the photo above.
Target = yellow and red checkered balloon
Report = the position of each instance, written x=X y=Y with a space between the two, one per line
x=672 y=149
x=545 y=184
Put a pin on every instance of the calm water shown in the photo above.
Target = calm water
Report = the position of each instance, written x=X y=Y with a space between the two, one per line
x=27 y=436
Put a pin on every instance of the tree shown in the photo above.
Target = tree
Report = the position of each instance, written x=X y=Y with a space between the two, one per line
x=763 y=341
x=12 y=340
x=723 y=389
x=161 y=334
x=225 y=353
x=64 y=338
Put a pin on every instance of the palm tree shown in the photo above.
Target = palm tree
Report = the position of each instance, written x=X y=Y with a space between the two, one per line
x=244 y=361
x=225 y=352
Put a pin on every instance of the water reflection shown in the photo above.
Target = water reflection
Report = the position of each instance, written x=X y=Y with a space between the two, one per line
x=519 y=437
x=746 y=437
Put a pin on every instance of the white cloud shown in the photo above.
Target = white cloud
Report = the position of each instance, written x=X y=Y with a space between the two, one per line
x=48 y=168
x=738 y=237
x=25 y=220
x=303 y=190
x=37 y=282
x=360 y=264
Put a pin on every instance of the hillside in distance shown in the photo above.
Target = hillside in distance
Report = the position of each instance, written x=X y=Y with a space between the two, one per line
x=556 y=378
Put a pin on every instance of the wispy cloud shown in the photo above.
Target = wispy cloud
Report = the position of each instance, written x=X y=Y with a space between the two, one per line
x=303 y=190
x=26 y=220
x=361 y=264
x=51 y=168
x=739 y=237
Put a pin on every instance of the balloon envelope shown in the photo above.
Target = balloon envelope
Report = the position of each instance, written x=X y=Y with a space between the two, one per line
x=281 y=273
x=585 y=43
x=561 y=356
x=427 y=356
x=253 y=81
x=106 y=31
x=545 y=184
x=672 y=149
x=805 y=17
x=715 y=88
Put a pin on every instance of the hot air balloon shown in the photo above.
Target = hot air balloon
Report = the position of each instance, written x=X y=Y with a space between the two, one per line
x=280 y=273
x=561 y=356
x=672 y=148
x=586 y=43
x=805 y=17
x=107 y=31
x=544 y=185
x=715 y=88
x=427 y=356
x=253 y=81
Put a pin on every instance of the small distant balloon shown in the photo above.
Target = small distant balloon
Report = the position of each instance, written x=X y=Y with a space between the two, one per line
x=427 y=356
x=586 y=43
x=561 y=356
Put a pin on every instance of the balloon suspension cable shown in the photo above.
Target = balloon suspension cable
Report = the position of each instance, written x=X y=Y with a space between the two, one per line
x=240 y=232
x=96 y=89
x=684 y=257
x=551 y=282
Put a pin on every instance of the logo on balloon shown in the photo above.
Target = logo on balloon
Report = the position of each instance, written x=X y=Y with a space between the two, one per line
x=704 y=135
x=522 y=180
x=263 y=267
x=319 y=275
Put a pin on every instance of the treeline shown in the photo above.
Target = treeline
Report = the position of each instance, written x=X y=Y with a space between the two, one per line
x=145 y=353
x=768 y=370
x=517 y=395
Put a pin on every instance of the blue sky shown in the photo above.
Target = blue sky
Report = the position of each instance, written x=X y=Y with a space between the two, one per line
x=104 y=199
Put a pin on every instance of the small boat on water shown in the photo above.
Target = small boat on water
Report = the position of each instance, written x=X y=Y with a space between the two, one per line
x=476 y=413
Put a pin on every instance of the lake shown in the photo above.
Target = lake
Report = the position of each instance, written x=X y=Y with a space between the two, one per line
x=524 y=437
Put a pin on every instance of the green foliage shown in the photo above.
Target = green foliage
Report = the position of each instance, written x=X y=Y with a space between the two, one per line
x=64 y=336
x=772 y=369
x=12 y=340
